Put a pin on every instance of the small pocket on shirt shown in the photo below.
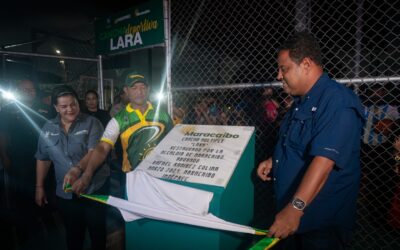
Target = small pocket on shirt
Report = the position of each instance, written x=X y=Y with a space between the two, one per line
x=300 y=130
x=78 y=139
x=52 y=141
x=52 y=146
x=77 y=145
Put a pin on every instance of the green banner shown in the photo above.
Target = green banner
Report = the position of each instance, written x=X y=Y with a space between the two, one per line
x=138 y=27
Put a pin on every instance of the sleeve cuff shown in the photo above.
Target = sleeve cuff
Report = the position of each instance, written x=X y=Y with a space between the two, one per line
x=107 y=141
x=328 y=153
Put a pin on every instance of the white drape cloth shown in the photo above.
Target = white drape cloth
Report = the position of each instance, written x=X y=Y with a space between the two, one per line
x=149 y=197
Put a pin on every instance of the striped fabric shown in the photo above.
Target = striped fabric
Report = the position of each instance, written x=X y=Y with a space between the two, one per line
x=373 y=114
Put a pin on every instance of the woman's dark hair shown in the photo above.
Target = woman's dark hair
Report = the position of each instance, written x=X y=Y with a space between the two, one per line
x=91 y=91
x=63 y=90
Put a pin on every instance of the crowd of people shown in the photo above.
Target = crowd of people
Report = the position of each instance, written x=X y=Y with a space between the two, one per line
x=309 y=134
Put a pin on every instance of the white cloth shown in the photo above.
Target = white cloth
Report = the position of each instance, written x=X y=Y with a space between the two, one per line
x=146 y=190
x=149 y=197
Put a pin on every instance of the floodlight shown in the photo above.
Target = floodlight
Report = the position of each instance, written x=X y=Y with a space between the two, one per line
x=160 y=96
x=9 y=95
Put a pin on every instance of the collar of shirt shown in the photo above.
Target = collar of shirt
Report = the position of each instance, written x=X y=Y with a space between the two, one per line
x=130 y=109
x=314 y=93
x=57 y=121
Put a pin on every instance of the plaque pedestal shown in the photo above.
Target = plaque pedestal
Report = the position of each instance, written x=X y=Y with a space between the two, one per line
x=234 y=204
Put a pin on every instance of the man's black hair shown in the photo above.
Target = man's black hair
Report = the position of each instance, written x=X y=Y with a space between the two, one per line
x=302 y=45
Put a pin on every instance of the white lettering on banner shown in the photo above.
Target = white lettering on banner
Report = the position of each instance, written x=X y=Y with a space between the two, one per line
x=198 y=153
x=126 y=41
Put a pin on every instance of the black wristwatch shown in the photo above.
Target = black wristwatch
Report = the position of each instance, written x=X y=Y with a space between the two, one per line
x=298 y=204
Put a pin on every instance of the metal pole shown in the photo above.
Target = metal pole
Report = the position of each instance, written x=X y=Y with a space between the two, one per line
x=359 y=24
x=393 y=79
x=167 y=31
x=112 y=93
x=47 y=56
x=100 y=81
x=21 y=44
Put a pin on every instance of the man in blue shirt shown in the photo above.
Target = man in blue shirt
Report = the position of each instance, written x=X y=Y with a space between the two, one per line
x=315 y=165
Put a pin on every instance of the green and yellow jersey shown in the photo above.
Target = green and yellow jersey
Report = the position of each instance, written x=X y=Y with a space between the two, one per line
x=139 y=133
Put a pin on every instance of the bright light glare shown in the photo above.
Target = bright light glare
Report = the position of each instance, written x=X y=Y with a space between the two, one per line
x=58 y=51
x=9 y=95
x=160 y=96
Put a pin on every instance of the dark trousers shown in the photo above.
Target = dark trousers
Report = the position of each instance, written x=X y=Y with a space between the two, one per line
x=80 y=214
x=23 y=212
x=328 y=238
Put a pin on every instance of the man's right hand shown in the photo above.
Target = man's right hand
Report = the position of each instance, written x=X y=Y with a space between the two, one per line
x=263 y=170
x=40 y=196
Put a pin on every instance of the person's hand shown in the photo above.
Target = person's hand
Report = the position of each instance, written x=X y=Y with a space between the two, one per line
x=263 y=170
x=286 y=222
x=40 y=196
x=81 y=184
x=71 y=176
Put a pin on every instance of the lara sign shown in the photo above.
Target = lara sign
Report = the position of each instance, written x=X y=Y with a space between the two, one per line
x=138 y=27
x=198 y=153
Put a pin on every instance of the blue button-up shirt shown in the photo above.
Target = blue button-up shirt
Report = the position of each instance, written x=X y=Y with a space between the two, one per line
x=326 y=122
x=65 y=150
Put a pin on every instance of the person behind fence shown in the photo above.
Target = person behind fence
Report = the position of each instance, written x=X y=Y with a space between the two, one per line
x=377 y=181
x=199 y=113
x=45 y=98
x=315 y=164
x=19 y=123
x=378 y=109
x=120 y=102
x=178 y=112
x=68 y=141
x=207 y=111
x=270 y=105
x=393 y=216
x=286 y=103
x=140 y=126
x=92 y=107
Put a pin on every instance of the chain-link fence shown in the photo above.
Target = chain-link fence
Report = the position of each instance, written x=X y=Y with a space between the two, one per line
x=224 y=68
x=49 y=60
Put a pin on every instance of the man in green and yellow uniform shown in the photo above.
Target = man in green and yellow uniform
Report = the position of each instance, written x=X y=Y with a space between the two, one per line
x=140 y=126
